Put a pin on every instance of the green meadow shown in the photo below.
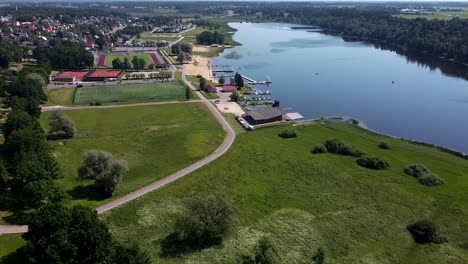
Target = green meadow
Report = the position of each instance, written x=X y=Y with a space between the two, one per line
x=155 y=140
x=304 y=201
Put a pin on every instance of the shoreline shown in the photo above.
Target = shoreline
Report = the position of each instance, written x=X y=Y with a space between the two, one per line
x=361 y=125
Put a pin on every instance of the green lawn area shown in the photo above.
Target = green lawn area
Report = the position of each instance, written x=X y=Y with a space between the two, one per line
x=110 y=58
x=62 y=96
x=155 y=140
x=305 y=201
x=9 y=243
x=159 y=91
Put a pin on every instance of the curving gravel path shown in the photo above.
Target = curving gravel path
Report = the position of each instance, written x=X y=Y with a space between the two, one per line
x=227 y=143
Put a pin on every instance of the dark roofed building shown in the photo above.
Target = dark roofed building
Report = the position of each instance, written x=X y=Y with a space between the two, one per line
x=265 y=115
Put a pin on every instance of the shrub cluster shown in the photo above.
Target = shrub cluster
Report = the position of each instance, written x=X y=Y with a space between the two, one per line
x=384 y=145
x=287 y=134
x=372 y=162
x=424 y=176
x=319 y=148
x=341 y=148
x=425 y=231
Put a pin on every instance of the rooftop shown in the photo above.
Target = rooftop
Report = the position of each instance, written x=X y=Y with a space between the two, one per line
x=265 y=113
x=105 y=74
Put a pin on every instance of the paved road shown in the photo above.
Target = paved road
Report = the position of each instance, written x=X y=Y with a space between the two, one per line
x=227 y=143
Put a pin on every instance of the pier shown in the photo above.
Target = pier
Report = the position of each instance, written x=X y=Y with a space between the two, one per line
x=252 y=81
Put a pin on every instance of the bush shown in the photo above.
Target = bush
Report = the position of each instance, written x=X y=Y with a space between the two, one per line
x=423 y=175
x=319 y=148
x=91 y=104
x=384 y=145
x=341 y=148
x=416 y=170
x=430 y=179
x=425 y=231
x=287 y=134
x=372 y=162
x=97 y=103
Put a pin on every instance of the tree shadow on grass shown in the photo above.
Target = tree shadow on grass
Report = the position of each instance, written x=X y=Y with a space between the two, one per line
x=57 y=136
x=11 y=258
x=87 y=192
x=18 y=217
x=175 y=246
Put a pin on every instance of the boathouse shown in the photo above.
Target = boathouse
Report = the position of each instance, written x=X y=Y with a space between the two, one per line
x=264 y=115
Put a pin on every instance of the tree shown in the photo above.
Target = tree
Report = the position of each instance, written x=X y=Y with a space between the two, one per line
x=178 y=47
x=26 y=87
x=101 y=42
x=64 y=55
x=425 y=231
x=102 y=167
x=131 y=255
x=182 y=57
x=42 y=192
x=135 y=63
x=141 y=63
x=238 y=80
x=234 y=96
x=117 y=63
x=58 y=234
x=188 y=93
x=209 y=38
x=221 y=80
x=265 y=252
x=203 y=84
x=206 y=220
x=62 y=122
x=126 y=64
x=151 y=66
x=29 y=105
x=4 y=179
x=17 y=120
x=319 y=257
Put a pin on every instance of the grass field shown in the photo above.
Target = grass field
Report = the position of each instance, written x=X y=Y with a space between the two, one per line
x=62 y=96
x=9 y=244
x=155 y=140
x=110 y=58
x=160 y=91
x=305 y=201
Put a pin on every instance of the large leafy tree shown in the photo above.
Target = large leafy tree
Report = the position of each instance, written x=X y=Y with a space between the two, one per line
x=104 y=168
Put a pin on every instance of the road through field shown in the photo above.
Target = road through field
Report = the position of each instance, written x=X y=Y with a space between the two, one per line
x=227 y=143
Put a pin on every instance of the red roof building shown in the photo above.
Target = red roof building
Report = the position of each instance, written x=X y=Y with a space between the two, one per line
x=211 y=88
x=103 y=75
x=70 y=76
x=229 y=88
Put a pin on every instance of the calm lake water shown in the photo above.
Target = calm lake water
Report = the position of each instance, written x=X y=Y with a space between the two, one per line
x=320 y=75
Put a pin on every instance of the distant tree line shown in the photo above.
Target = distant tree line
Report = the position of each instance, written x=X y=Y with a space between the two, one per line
x=209 y=38
x=64 y=55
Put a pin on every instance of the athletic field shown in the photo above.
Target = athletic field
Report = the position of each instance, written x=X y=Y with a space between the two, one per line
x=163 y=91
x=109 y=58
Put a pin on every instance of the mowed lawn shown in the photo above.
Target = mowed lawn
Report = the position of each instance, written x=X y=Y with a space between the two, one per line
x=304 y=201
x=61 y=96
x=159 y=91
x=155 y=140
x=110 y=58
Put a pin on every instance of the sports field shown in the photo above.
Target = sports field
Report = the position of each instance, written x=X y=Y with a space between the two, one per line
x=130 y=92
x=110 y=58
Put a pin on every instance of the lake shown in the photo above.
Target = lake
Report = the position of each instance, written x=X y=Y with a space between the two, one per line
x=321 y=75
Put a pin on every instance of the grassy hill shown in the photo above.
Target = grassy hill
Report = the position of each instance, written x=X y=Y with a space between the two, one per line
x=304 y=201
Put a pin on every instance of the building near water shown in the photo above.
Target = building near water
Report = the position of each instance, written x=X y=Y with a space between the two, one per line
x=264 y=115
